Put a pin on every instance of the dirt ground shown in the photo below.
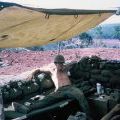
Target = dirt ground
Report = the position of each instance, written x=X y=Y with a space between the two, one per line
x=17 y=64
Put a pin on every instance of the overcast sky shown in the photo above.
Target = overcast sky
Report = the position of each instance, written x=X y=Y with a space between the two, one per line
x=74 y=4
x=94 y=4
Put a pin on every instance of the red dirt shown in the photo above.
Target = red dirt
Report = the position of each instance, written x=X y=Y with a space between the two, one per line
x=25 y=61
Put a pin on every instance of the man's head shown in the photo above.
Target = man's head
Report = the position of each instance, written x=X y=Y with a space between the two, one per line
x=59 y=60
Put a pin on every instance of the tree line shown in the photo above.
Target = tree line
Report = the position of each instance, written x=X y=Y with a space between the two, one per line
x=86 y=38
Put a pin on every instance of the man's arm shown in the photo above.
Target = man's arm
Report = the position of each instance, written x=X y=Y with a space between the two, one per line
x=41 y=70
x=38 y=71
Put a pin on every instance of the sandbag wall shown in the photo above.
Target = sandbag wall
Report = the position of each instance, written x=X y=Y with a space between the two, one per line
x=94 y=69
x=16 y=90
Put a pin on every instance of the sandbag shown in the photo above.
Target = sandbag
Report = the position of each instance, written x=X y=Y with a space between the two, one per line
x=11 y=94
x=5 y=95
x=93 y=82
x=14 y=93
x=76 y=81
x=85 y=86
x=84 y=64
x=115 y=81
x=117 y=72
x=77 y=75
x=106 y=73
x=95 y=62
x=96 y=77
x=13 y=84
x=105 y=79
x=108 y=66
x=34 y=87
x=95 y=71
x=47 y=84
x=95 y=59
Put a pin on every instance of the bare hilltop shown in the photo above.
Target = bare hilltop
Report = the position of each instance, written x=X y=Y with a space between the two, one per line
x=16 y=63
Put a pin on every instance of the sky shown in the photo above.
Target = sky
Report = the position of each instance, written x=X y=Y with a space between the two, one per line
x=94 y=4
x=74 y=4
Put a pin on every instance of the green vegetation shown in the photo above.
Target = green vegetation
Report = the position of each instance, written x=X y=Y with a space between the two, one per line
x=117 y=32
x=107 y=31
x=85 y=39
x=36 y=48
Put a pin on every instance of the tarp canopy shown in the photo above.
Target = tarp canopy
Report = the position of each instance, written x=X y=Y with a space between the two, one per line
x=22 y=26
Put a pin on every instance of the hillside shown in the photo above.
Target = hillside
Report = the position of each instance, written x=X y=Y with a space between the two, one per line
x=16 y=63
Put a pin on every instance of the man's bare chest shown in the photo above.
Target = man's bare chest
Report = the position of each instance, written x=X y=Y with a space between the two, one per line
x=62 y=76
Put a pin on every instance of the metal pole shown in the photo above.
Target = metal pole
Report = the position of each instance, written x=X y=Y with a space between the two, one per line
x=59 y=45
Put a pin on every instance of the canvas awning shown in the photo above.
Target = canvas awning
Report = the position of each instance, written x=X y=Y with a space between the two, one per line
x=22 y=26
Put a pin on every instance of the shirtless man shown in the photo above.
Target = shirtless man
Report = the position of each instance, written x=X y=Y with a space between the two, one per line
x=63 y=90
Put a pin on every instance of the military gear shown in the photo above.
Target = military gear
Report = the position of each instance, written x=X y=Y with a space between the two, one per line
x=61 y=94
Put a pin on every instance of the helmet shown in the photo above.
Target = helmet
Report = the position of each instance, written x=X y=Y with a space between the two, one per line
x=59 y=58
